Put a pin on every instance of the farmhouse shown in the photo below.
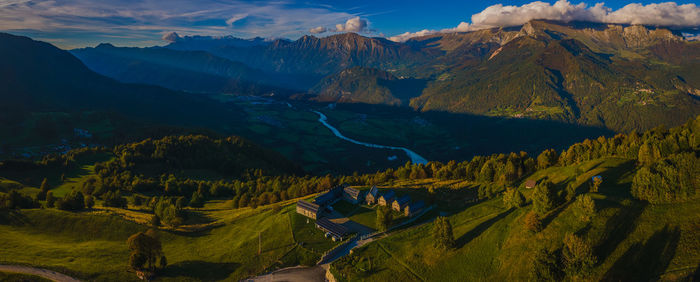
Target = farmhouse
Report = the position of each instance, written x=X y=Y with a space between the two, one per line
x=332 y=229
x=414 y=208
x=400 y=203
x=330 y=197
x=530 y=184
x=351 y=195
x=386 y=199
x=371 y=197
x=308 y=209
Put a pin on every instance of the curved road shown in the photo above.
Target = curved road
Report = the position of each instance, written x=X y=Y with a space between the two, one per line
x=45 y=273
x=415 y=158
x=306 y=274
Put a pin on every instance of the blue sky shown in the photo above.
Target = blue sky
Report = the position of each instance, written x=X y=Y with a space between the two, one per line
x=79 y=23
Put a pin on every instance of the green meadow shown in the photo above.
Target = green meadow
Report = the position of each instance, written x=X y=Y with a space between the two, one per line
x=628 y=237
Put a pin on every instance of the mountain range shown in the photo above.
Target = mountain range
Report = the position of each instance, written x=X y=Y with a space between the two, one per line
x=578 y=72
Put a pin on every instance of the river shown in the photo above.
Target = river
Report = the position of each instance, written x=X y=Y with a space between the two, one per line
x=415 y=158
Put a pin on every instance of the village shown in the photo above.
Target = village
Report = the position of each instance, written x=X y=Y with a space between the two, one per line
x=321 y=210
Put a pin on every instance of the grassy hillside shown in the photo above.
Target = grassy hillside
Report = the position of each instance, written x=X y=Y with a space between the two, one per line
x=92 y=245
x=631 y=239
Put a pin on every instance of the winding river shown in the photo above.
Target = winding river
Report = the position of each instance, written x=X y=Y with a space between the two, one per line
x=415 y=158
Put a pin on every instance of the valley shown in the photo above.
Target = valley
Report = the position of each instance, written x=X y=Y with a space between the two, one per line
x=308 y=141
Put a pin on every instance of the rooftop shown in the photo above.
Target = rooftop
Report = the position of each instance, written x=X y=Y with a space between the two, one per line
x=332 y=227
x=403 y=200
x=308 y=206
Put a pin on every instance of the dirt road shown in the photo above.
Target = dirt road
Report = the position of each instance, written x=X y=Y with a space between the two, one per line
x=45 y=273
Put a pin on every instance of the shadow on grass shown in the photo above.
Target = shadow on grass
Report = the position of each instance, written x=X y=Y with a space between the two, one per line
x=476 y=231
x=617 y=228
x=612 y=186
x=644 y=262
x=12 y=217
x=554 y=213
x=200 y=270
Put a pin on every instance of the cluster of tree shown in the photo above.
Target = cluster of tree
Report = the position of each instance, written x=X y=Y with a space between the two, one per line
x=673 y=179
x=114 y=199
x=232 y=156
x=73 y=201
x=146 y=252
x=70 y=158
x=574 y=260
x=168 y=210
x=16 y=200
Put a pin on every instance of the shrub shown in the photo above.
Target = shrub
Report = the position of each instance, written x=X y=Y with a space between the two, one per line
x=513 y=198
x=578 y=256
x=584 y=207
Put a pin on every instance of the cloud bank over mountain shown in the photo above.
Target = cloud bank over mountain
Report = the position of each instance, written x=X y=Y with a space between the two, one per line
x=668 y=14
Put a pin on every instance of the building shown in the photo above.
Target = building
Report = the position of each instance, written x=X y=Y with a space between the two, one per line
x=414 y=208
x=400 y=203
x=386 y=199
x=530 y=184
x=308 y=209
x=351 y=195
x=371 y=197
x=332 y=229
x=330 y=197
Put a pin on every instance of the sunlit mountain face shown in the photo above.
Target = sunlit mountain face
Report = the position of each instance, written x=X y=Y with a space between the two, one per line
x=358 y=141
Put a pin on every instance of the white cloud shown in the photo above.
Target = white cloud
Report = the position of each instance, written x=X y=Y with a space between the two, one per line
x=318 y=29
x=408 y=35
x=82 y=23
x=170 y=37
x=355 y=24
x=691 y=37
x=662 y=14
x=236 y=18
x=667 y=14
x=462 y=27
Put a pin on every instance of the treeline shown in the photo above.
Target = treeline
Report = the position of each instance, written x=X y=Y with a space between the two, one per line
x=667 y=161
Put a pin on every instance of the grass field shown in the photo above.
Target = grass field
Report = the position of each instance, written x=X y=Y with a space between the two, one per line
x=632 y=241
x=92 y=245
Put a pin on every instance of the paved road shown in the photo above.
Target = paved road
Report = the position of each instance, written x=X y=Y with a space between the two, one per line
x=45 y=273
x=293 y=274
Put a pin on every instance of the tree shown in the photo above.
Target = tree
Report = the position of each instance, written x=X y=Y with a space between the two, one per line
x=578 y=256
x=384 y=218
x=513 y=198
x=547 y=158
x=443 y=237
x=155 y=220
x=533 y=222
x=197 y=200
x=43 y=190
x=89 y=201
x=146 y=250
x=543 y=198
x=50 y=200
x=545 y=266
x=595 y=185
x=584 y=207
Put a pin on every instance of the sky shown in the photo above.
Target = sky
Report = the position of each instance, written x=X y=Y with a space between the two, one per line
x=80 y=23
